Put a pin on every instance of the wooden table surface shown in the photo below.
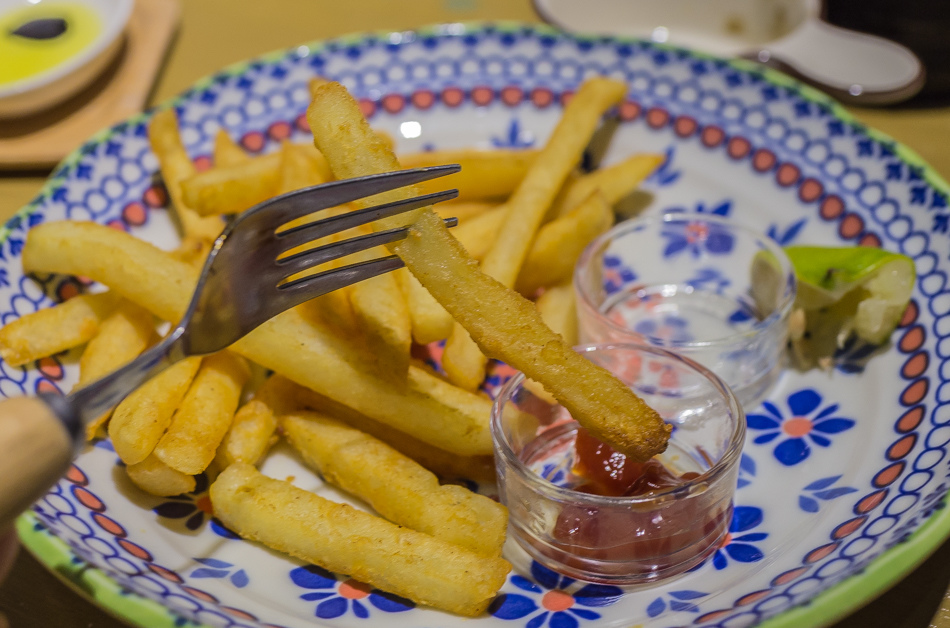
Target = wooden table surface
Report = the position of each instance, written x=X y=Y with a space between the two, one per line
x=215 y=33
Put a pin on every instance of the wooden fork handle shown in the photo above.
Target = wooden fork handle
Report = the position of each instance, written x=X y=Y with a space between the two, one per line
x=35 y=451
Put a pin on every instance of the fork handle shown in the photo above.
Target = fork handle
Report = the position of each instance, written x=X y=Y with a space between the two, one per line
x=36 y=447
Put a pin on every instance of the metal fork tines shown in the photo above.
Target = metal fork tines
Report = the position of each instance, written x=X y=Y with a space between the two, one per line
x=256 y=270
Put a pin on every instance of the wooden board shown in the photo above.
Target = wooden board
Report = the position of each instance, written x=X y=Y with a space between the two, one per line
x=42 y=140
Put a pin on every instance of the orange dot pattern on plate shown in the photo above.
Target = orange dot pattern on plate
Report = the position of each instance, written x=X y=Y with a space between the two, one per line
x=629 y=110
x=871 y=501
x=423 y=99
x=235 y=612
x=790 y=575
x=850 y=226
x=511 y=95
x=685 y=126
x=165 y=574
x=821 y=552
x=135 y=550
x=888 y=474
x=912 y=339
x=109 y=525
x=713 y=616
x=482 y=96
x=201 y=595
x=87 y=499
x=541 y=98
x=763 y=160
x=848 y=527
x=77 y=476
x=787 y=175
x=393 y=103
x=901 y=447
x=753 y=597
x=910 y=420
x=831 y=208
x=914 y=393
x=739 y=148
x=657 y=118
x=910 y=314
x=810 y=190
x=712 y=136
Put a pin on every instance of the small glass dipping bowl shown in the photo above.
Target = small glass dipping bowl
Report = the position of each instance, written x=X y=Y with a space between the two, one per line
x=684 y=281
x=621 y=540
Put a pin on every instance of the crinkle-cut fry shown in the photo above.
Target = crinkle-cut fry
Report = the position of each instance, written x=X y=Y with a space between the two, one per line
x=122 y=336
x=508 y=327
x=529 y=204
x=465 y=210
x=176 y=166
x=614 y=182
x=342 y=539
x=559 y=244
x=205 y=414
x=558 y=310
x=232 y=189
x=397 y=487
x=478 y=234
x=54 y=329
x=485 y=175
x=140 y=420
x=304 y=350
x=253 y=429
x=441 y=462
x=298 y=168
x=156 y=478
x=226 y=151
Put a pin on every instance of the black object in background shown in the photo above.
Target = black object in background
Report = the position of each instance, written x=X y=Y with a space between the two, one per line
x=921 y=25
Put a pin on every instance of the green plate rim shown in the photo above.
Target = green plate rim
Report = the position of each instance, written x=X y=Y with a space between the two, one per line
x=827 y=607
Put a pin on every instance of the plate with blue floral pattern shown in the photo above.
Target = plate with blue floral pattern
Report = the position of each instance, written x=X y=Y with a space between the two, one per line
x=844 y=472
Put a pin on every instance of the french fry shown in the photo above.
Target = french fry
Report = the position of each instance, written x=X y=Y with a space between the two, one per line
x=343 y=539
x=485 y=174
x=478 y=234
x=560 y=243
x=557 y=308
x=397 y=487
x=304 y=350
x=528 y=205
x=443 y=463
x=226 y=151
x=252 y=430
x=298 y=168
x=232 y=189
x=614 y=182
x=205 y=414
x=122 y=336
x=464 y=211
x=140 y=419
x=430 y=322
x=156 y=478
x=54 y=329
x=176 y=166
x=193 y=251
x=509 y=328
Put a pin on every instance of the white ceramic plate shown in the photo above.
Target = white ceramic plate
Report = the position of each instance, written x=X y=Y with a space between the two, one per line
x=839 y=470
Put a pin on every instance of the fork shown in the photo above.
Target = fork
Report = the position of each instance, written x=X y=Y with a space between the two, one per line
x=252 y=273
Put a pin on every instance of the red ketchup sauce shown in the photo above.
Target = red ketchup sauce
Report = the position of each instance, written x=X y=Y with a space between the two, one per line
x=654 y=538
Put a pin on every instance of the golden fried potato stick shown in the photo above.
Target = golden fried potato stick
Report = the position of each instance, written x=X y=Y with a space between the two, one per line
x=614 y=182
x=464 y=211
x=560 y=243
x=298 y=168
x=441 y=462
x=54 y=329
x=156 y=478
x=304 y=350
x=509 y=328
x=140 y=420
x=253 y=430
x=122 y=336
x=344 y=147
x=485 y=174
x=232 y=189
x=226 y=151
x=205 y=414
x=193 y=251
x=478 y=233
x=558 y=310
x=528 y=205
x=397 y=487
x=342 y=539
x=176 y=166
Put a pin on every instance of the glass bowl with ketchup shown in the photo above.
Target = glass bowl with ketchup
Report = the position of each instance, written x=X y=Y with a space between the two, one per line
x=584 y=510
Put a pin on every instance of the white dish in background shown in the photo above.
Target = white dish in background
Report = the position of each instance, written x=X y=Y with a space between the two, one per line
x=49 y=87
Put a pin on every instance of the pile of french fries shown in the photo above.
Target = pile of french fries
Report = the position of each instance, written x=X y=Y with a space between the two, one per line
x=335 y=376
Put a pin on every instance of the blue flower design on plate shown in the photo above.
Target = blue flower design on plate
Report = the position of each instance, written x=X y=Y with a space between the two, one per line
x=194 y=507
x=698 y=236
x=823 y=490
x=515 y=137
x=679 y=601
x=336 y=598
x=615 y=274
x=665 y=174
x=746 y=470
x=547 y=601
x=709 y=278
x=739 y=542
x=219 y=569
x=789 y=234
x=854 y=355
x=805 y=424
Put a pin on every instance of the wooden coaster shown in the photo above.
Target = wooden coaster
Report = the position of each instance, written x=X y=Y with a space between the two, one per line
x=42 y=140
